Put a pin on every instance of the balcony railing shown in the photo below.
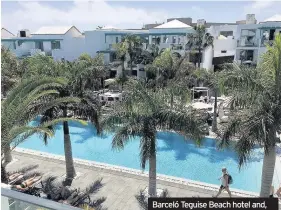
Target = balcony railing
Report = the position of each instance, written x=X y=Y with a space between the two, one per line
x=266 y=42
x=247 y=43
x=13 y=200
x=177 y=46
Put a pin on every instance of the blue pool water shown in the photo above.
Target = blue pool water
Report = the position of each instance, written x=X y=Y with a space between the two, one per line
x=175 y=156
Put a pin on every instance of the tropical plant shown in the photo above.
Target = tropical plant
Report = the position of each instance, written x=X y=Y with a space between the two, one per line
x=143 y=201
x=173 y=72
x=133 y=44
x=129 y=45
x=40 y=65
x=256 y=110
x=82 y=106
x=10 y=70
x=121 y=51
x=141 y=114
x=56 y=191
x=24 y=103
x=199 y=40
x=87 y=74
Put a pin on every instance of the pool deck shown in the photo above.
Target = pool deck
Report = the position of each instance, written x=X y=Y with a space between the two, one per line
x=120 y=184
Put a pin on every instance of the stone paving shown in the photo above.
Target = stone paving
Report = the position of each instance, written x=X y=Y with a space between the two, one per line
x=119 y=187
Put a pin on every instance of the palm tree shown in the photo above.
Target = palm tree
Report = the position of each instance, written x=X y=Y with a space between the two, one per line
x=86 y=106
x=173 y=74
x=256 y=110
x=121 y=51
x=26 y=101
x=133 y=44
x=199 y=40
x=10 y=70
x=142 y=114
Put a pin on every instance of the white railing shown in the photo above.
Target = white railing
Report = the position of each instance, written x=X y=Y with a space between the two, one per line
x=13 y=200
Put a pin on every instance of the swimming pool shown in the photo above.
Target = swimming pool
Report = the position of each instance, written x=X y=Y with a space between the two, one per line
x=175 y=156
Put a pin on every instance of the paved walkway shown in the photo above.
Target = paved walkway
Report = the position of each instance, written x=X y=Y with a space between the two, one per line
x=119 y=187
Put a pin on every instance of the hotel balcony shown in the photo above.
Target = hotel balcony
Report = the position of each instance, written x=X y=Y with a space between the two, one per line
x=13 y=200
x=264 y=43
x=177 y=46
x=247 y=43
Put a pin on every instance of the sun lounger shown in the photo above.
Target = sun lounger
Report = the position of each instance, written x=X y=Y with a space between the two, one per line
x=13 y=181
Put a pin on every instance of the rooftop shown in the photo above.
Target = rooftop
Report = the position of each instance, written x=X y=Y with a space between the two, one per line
x=54 y=30
x=173 y=24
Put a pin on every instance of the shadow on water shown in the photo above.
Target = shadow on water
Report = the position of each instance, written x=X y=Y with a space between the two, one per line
x=89 y=132
x=183 y=147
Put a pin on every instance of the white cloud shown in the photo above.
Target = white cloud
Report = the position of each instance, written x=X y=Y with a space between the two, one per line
x=197 y=9
x=257 y=7
x=276 y=17
x=84 y=15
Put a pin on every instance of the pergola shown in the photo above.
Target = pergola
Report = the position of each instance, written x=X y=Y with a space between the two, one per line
x=200 y=89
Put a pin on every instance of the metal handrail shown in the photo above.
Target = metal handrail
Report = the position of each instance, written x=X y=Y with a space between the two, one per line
x=33 y=200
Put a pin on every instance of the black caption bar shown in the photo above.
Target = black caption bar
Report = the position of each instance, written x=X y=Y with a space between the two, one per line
x=213 y=203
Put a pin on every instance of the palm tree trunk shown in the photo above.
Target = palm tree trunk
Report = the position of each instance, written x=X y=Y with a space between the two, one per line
x=7 y=154
x=268 y=171
x=4 y=176
x=199 y=57
x=214 y=122
x=81 y=89
x=123 y=73
x=70 y=170
x=152 y=176
x=131 y=63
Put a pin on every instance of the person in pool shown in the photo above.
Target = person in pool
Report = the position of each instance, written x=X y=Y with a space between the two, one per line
x=224 y=182
x=27 y=183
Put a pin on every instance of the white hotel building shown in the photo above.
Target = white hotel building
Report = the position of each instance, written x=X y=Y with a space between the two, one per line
x=243 y=41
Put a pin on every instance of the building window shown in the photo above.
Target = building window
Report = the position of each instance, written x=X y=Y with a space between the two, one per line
x=226 y=33
x=112 y=57
x=39 y=45
x=156 y=40
x=165 y=39
x=246 y=55
x=271 y=34
x=174 y=39
x=116 y=39
x=55 y=45
x=223 y=51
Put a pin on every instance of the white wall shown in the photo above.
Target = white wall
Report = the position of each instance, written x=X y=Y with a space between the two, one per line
x=47 y=46
x=224 y=44
x=8 y=44
x=208 y=58
x=170 y=30
x=215 y=30
x=94 y=41
x=73 y=47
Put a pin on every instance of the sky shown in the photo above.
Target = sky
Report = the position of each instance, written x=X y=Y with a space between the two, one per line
x=88 y=14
